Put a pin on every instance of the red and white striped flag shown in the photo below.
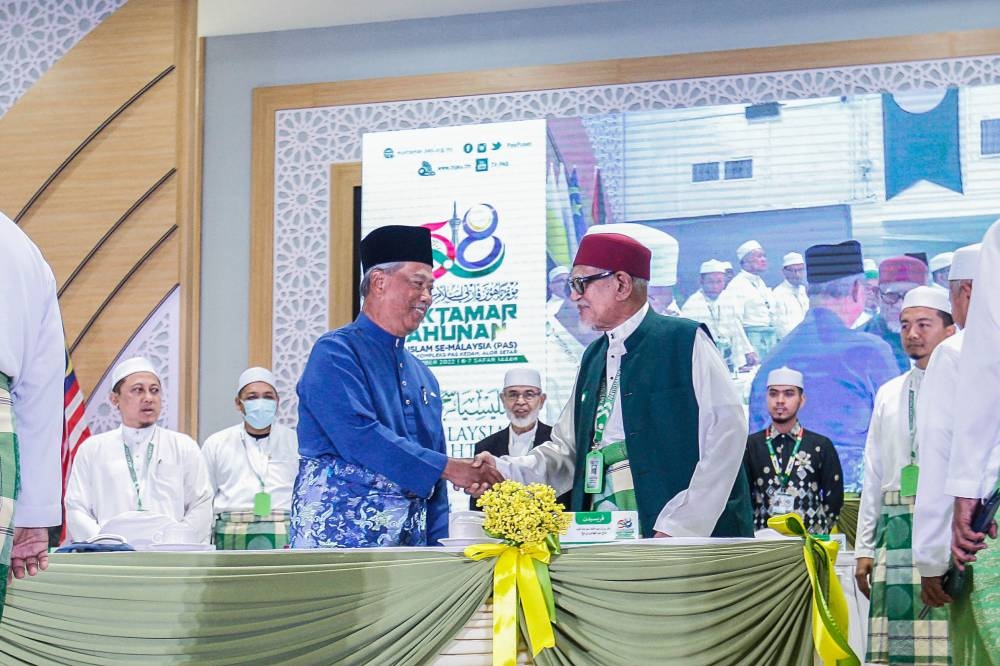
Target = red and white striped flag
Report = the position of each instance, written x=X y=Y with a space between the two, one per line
x=75 y=429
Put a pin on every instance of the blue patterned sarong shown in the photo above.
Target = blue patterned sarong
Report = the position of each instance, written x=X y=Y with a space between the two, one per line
x=337 y=504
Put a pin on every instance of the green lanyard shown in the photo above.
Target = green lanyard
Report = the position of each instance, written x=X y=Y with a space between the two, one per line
x=267 y=463
x=783 y=477
x=604 y=411
x=131 y=469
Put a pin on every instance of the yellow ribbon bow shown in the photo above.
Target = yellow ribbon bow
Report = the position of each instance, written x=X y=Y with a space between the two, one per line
x=514 y=577
x=829 y=606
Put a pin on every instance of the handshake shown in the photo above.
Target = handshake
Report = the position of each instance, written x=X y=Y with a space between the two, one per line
x=474 y=476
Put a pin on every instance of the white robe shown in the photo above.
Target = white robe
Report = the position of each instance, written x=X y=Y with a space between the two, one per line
x=887 y=451
x=790 y=306
x=562 y=359
x=235 y=460
x=722 y=437
x=721 y=319
x=975 y=447
x=752 y=299
x=936 y=411
x=32 y=354
x=175 y=484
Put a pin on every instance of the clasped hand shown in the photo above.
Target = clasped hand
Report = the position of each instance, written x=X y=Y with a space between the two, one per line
x=474 y=476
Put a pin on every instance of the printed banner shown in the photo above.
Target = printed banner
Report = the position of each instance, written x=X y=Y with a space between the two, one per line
x=480 y=190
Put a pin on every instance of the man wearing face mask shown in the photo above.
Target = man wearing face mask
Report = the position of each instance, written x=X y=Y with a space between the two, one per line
x=139 y=479
x=252 y=467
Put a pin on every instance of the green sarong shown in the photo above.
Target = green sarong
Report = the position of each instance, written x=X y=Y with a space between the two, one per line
x=618 y=493
x=895 y=633
x=10 y=482
x=243 y=530
x=975 y=616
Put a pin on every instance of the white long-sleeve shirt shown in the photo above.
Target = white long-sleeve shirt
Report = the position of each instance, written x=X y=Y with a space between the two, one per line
x=238 y=462
x=722 y=436
x=33 y=355
x=721 y=319
x=887 y=451
x=790 y=306
x=936 y=411
x=175 y=483
x=752 y=299
x=975 y=448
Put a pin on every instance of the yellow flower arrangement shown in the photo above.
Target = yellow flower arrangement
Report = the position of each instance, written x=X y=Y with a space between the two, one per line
x=521 y=514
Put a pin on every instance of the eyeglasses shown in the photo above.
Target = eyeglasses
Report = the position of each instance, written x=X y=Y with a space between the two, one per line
x=528 y=396
x=890 y=297
x=579 y=283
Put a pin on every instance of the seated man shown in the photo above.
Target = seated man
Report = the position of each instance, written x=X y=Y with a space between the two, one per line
x=252 y=467
x=791 y=469
x=522 y=400
x=139 y=467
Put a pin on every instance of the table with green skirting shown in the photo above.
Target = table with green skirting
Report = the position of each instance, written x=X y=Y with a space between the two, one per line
x=671 y=601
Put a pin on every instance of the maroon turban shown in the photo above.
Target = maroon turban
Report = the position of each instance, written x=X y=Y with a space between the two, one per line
x=614 y=252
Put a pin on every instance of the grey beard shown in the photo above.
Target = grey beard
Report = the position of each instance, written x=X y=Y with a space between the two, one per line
x=525 y=422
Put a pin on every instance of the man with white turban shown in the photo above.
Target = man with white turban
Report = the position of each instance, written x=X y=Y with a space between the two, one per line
x=883 y=546
x=706 y=307
x=252 y=467
x=752 y=298
x=791 y=302
x=139 y=468
x=936 y=411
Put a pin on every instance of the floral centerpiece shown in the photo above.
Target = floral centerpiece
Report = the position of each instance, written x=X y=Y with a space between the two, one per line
x=528 y=520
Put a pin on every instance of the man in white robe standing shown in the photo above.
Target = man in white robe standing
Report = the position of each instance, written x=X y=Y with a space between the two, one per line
x=251 y=467
x=706 y=307
x=751 y=298
x=32 y=368
x=791 y=302
x=153 y=480
x=936 y=410
x=883 y=546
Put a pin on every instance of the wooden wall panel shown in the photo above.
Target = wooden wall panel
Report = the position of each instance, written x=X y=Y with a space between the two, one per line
x=100 y=169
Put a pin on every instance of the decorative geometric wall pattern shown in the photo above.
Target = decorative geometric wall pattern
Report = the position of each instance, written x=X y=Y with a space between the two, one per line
x=157 y=340
x=34 y=34
x=307 y=141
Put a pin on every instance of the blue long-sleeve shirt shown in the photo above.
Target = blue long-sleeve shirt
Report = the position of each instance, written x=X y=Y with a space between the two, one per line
x=842 y=371
x=364 y=398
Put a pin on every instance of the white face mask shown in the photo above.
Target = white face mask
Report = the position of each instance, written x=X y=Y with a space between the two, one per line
x=260 y=413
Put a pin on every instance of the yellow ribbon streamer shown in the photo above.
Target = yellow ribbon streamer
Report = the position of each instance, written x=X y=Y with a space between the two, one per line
x=514 y=577
x=829 y=610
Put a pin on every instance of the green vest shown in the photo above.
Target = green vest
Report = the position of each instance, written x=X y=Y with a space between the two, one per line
x=660 y=415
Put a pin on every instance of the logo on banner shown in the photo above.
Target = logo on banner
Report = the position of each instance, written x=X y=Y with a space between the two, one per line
x=473 y=250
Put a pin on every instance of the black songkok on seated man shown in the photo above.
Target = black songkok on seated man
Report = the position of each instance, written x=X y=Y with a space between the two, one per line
x=825 y=263
x=396 y=242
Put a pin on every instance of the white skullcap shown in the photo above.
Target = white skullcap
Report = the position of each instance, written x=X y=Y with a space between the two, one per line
x=663 y=246
x=927 y=297
x=522 y=377
x=747 y=248
x=727 y=266
x=792 y=259
x=557 y=271
x=939 y=261
x=255 y=374
x=130 y=367
x=870 y=265
x=712 y=266
x=965 y=262
x=785 y=376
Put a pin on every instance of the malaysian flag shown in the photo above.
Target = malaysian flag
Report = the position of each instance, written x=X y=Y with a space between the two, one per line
x=75 y=429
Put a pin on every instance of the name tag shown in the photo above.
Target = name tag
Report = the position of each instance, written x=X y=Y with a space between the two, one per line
x=782 y=503
x=262 y=504
x=594 y=475
x=908 y=480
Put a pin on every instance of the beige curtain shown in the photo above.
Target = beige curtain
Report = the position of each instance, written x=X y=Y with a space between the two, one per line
x=745 y=603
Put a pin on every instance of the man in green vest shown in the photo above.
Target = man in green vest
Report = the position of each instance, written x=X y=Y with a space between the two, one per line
x=654 y=424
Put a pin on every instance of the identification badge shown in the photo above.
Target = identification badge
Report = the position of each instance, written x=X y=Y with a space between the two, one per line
x=782 y=503
x=908 y=480
x=594 y=477
x=262 y=504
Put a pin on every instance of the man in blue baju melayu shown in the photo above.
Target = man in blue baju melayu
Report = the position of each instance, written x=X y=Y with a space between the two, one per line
x=844 y=367
x=373 y=467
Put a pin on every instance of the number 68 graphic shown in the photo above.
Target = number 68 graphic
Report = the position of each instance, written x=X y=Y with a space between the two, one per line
x=451 y=255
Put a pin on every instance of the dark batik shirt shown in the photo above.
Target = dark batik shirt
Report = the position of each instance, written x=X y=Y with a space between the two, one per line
x=815 y=481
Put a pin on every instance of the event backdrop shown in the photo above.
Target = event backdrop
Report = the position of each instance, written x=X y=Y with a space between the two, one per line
x=901 y=157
